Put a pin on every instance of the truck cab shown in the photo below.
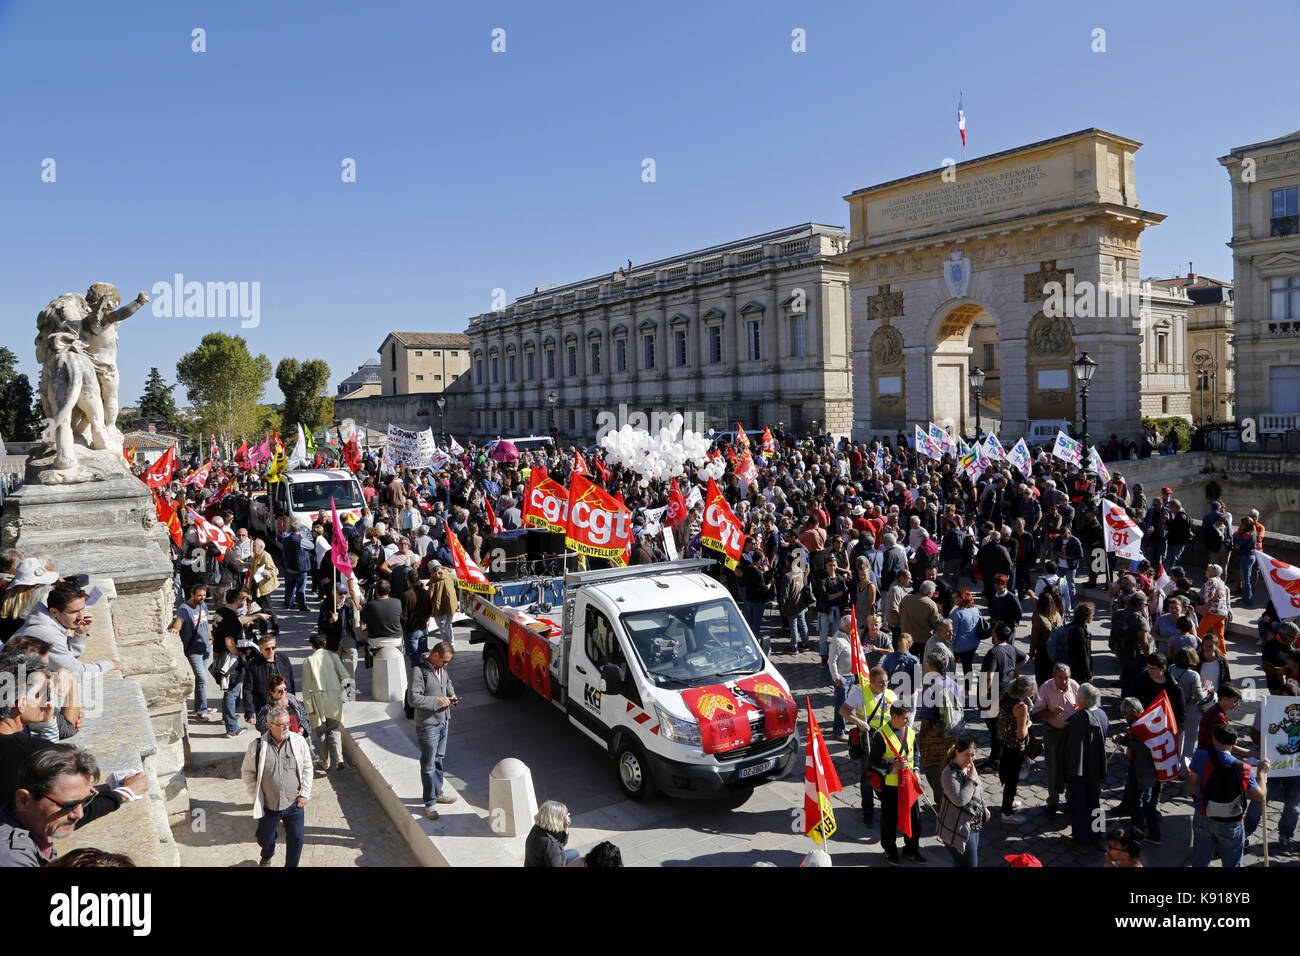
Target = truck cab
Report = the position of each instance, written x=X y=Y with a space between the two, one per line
x=633 y=642
x=303 y=495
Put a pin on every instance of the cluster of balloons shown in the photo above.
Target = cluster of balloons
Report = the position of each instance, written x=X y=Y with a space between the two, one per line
x=661 y=456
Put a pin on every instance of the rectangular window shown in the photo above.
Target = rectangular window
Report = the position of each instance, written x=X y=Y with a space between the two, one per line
x=419 y=354
x=679 y=338
x=798 y=324
x=1284 y=293
x=1284 y=389
x=528 y=366
x=1162 y=348
x=753 y=335
x=796 y=419
x=1285 y=220
x=649 y=351
x=437 y=378
x=454 y=354
x=393 y=358
x=419 y=378
x=531 y=420
x=573 y=420
x=595 y=358
x=715 y=344
x=478 y=372
x=620 y=355
x=510 y=367
x=495 y=419
x=550 y=363
x=755 y=416
x=990 y=356
x=1164 y=404
x=496 y=370
x=573 y=360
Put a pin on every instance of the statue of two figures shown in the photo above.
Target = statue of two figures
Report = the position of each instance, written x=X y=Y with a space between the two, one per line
x=76 y=344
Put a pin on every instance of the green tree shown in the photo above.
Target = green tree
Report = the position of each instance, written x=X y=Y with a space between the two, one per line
x=224 y=383
x=20 y=409
x=157 y=402
x=268 y=420
x=304 y=385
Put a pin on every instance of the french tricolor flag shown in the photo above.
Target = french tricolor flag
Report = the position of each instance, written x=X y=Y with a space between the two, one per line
x=961 y=120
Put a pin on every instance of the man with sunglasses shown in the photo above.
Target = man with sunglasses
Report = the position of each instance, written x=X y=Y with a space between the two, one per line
x=54 y=796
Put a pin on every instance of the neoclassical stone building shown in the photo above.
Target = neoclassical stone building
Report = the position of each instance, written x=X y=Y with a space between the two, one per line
x=1265 y=246
x=754 y=330
x=966 y=256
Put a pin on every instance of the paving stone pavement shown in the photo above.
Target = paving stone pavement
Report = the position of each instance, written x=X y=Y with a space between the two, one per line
x=344 y=825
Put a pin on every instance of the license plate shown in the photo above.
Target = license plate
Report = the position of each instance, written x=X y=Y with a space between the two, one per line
x=754 y=770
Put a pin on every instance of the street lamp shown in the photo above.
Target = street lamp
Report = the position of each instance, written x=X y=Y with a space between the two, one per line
x=1084 y=368
x=552 y=400
x=976 y=376
x=442 y=431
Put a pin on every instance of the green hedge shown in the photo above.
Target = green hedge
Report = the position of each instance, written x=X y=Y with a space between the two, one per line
x=1182 y=430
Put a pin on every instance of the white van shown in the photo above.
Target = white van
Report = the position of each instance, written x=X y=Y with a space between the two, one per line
x=1043 y=432
x=303 y=495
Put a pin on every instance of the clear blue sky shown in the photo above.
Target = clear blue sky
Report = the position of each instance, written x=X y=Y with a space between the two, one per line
x=479 y=170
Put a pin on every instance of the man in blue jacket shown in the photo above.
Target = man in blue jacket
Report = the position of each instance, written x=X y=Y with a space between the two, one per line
x=297 y=563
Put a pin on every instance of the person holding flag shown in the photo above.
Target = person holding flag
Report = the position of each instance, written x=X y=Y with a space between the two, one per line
x=892 y=758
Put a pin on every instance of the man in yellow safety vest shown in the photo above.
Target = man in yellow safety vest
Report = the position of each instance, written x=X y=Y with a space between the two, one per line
x=867 y=709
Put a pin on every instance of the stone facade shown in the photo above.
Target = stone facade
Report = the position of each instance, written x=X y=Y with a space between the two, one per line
x=1265 y=244
x=754 y=330
x=417 y=362
x=1165 y=386
x=1211 y=365
x=946 y=258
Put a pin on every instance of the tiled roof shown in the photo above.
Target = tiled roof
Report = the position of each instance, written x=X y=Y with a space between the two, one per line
x=430 y=340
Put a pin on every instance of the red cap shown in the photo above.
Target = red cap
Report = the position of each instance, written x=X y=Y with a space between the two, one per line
x=1023 y=859
x=1166 y=490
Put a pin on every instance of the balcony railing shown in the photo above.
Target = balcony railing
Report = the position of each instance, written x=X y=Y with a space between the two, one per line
x=1272 y=423
x=1278 y=329
x=1284 y=226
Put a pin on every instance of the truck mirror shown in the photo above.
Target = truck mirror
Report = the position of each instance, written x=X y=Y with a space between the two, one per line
x=611 y=680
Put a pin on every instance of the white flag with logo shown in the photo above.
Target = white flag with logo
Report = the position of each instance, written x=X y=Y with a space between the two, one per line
x=1121 y=532
x=1068 y=450
x=1283 y=582
x=1018 y=457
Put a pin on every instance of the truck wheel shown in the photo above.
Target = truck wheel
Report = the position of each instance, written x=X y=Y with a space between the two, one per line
x=634 y=774
x=500 y=682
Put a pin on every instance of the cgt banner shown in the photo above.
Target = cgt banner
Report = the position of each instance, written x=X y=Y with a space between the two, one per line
x=468 y=574
x=778 y=708
x=530 y=659
x=723 y=726
x=721 y=528
x=598 y=526
x=1158 y=729
x=1279 y=727
x=546 y=503
x=1121 y=532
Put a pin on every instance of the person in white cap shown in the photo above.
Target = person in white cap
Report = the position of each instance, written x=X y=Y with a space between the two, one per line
x=32 y=580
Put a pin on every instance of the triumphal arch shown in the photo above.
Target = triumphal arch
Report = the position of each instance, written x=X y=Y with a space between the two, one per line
x=1016 y=262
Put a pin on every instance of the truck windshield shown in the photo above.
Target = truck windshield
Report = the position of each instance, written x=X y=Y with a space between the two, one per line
x=694 y=643
x=315 y=495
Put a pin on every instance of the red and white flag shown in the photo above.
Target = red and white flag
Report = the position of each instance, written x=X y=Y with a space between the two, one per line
x=741 y=437
x=820 y=781
x=160 y=472
x=213 y=451
x=768 y=442
x=494 y=523
x=961 y=120
x=1158 y=729
x=677 y=509
x=1121 y=531
x=200 y=476
x=210 y=533
x=468 y=574
x=1283 y=582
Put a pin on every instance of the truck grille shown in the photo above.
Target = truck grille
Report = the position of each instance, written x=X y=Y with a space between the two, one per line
x=759 y=746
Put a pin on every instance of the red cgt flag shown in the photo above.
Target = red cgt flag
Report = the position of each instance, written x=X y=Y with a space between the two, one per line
x=241 y=456
x=579 y=465
x=778 y=708
x=546 y=504
x=723 y=724
x=721 y=528
x=468 y=574
x=167 y=516
x=598 y=526
x=160 y=472
x=677 y=509
x=768 y=443
x=820 y=781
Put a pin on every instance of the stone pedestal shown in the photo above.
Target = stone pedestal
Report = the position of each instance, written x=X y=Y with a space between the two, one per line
x=388 y=681
x=512 y=804
x=108 y=528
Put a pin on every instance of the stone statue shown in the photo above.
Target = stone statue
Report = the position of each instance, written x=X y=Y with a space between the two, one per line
x=76 y=344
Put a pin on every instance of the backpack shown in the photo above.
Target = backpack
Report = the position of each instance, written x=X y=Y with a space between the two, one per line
x=1213 y=538
x=1058 y=644
x=952 y=715
x=1225 y=790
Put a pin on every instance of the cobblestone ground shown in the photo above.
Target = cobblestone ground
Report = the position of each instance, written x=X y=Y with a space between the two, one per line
x=344 y=825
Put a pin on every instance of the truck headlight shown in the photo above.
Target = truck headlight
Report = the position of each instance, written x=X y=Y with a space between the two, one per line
x=675 y=729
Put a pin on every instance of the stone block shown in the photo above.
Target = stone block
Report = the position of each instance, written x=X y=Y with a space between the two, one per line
x=512 y=803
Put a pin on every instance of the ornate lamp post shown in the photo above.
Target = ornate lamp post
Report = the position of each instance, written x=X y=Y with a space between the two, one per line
x=442 y=431
x=976 y=376
x=1084 y=368
x=552 y=399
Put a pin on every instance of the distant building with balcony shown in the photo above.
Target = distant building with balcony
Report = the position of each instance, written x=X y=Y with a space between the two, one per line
x=415 y=362
x=1265 y=244
x=1165 y=387
x=1210 y=356
x=755 y=330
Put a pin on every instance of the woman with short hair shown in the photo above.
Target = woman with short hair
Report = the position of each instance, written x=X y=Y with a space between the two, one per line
x=546 y=841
